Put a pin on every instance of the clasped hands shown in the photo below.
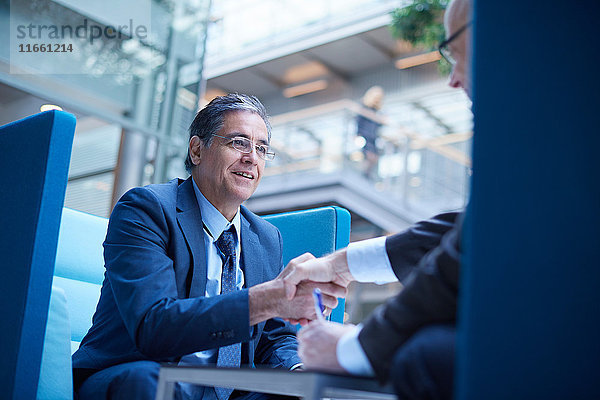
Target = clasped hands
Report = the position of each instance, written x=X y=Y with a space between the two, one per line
x=318 y=341
x=289 y=296
x=305 y=273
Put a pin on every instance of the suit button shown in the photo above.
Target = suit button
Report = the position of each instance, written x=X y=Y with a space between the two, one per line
x=213 y=335
x=219 y=335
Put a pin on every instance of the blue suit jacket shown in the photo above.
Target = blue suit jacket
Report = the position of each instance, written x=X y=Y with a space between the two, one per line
x=152 y=304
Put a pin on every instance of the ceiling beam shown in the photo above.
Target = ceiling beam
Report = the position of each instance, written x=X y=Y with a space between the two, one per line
x=378 y=46
x=335 y=71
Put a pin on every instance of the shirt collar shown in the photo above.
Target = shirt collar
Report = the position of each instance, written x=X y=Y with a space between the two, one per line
x=214 y=222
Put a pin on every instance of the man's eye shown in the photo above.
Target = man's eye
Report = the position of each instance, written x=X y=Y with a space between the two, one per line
x=261 y=149
x=239 y=142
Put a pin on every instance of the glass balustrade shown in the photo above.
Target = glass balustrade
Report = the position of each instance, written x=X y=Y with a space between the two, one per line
x=422 y=149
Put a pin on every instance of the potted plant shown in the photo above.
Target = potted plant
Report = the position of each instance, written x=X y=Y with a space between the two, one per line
x=422 y=25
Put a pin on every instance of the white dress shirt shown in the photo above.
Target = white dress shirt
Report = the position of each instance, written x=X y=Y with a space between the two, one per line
x=368 y=262
x=214 y=224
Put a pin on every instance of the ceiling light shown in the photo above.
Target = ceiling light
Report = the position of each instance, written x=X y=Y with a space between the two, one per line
x=419 y=59
x=209 y=95
x=48 y=107
x=304 y=72
x=305 y=88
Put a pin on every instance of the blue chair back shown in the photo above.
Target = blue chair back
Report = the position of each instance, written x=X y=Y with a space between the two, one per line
x=319 y=231
x=34 y=164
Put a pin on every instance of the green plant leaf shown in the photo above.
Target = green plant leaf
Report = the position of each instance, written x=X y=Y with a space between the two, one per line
x=421 y=25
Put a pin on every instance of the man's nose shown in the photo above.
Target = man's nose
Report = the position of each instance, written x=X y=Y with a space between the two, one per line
x=251 y=157
x=455 y=80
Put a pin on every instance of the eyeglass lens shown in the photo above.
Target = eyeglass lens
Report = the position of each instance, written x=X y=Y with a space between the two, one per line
x=244 y=145
x=447 y=55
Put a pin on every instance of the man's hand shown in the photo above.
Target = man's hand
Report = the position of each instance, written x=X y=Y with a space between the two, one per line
x=268 y=300
x=317 y=343
x=302 y=306
x=331 y=268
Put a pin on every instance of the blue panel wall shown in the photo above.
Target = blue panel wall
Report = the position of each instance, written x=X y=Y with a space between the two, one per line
x=529 y=322
x=34 y=163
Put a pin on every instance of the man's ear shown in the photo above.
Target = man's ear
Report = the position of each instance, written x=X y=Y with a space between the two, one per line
x=195 y=149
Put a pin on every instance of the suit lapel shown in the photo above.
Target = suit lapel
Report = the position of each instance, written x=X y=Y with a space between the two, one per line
x=190 y=222
x=251 y=254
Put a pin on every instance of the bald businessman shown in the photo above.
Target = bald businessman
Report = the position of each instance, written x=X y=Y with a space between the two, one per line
x=409 y=341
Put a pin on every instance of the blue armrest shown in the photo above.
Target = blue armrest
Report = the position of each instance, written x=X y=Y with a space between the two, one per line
x=56 y=374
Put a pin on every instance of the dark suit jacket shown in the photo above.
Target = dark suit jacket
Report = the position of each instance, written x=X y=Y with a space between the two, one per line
x=152 y=304
x=429 y=251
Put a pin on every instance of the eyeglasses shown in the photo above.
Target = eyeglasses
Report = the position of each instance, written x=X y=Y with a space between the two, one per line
x=444 y=49
x=245 y=145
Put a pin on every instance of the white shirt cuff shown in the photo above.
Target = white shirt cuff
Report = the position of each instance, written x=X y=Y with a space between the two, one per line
x=296 y=366
x=351 y=355
x=368 y=261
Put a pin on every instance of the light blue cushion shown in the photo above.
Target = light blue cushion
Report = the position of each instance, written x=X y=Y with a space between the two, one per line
x=82 y=298
x=56 y=379
x=79 y=255
x=80 y=267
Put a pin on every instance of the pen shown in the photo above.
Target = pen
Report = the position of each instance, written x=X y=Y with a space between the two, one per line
x=318 y=304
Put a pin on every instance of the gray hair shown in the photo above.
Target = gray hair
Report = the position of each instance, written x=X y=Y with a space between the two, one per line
x=459 y=11
x=211 y=118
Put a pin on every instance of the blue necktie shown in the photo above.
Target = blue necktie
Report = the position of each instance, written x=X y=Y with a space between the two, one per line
x=229 y=356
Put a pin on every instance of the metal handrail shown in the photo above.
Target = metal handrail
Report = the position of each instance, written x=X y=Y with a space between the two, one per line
x=332 y=146
x=416 y=140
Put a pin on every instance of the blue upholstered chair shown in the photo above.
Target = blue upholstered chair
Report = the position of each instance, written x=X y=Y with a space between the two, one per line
x=34 y=163
x=80 y=270
x=318 y=231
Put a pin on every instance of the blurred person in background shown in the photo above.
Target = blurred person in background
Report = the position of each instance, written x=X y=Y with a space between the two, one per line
x=367 y=127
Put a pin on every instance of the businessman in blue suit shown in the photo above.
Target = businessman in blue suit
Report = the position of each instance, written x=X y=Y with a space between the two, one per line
x=192 y=277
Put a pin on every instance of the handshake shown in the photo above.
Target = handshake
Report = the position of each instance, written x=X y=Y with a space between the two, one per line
x=290 y=295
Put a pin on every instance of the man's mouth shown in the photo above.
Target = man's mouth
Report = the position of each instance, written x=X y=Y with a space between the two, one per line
x=244 y=174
